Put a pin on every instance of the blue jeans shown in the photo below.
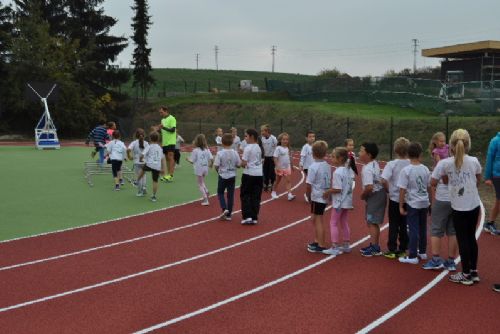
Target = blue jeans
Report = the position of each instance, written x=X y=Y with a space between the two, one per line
x=100 y=151
x=417 y=226
x=222 y=185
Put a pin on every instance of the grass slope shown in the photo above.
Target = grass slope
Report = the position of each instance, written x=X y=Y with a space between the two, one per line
x=45 y=191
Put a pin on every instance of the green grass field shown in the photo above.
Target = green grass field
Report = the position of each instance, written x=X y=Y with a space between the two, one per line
x=45 y=191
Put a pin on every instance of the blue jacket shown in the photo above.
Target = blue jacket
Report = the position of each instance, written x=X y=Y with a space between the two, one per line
x=493 y=158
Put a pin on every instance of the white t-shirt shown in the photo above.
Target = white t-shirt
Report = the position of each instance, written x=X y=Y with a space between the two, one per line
x=236 y=143
x=253 y=156
x=227 y=161
x=370 y=175
x=218 y=142
x=283 y=155
x=269 y=145
x=116 y=150
x=152 y=156
x=137 y=151
x=319 y=176
x=200 y=159
x=306 y=156
x=243 y=144
x=415 y=179
x=442 y=192
x=391 y=175
x=342 y=179
x=462 y=184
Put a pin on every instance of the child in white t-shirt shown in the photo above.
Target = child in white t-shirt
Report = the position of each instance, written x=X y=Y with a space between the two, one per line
x=415 y=192
x=319 y=180
x=397 y=221
x=282 y=165
x=306 y=157
x=218 y=138
x=117 y=152
x=154 y=162
x=269 y=143
x=226 y=162
x=236 y=139
x=341 y=195
x=134 y=151
x=202 y=159
x=462 y=173
x=251 y=180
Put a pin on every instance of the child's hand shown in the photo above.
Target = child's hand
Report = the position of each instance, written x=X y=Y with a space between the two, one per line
x=326 y=194
x=402 y=211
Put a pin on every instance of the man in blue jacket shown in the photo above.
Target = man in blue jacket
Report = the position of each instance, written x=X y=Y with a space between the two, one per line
x=492 y=178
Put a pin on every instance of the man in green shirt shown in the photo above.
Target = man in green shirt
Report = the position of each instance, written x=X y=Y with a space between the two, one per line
x=168 y=127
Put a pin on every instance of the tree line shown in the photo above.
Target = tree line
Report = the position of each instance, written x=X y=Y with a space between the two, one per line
x=67 y=42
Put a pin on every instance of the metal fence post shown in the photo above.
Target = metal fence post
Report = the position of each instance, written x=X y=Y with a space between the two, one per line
x=229 y=85
x=391 y=137
x=281 y=125
x=209 y=86
x=347 y=134
x=199 y=126
x=311 y=123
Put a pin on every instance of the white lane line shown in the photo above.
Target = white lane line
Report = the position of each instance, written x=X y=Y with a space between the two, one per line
x=420 y=292
x=88 y=250
x=247 y=293
x=152 y=270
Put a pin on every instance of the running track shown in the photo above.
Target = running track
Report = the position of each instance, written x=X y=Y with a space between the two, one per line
x=179 y=271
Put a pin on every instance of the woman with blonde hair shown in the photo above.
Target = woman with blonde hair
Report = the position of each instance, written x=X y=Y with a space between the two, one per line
x=462 y=173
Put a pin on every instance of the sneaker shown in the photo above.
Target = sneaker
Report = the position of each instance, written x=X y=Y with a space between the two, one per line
x=422 y=256
x=316 y=249
x=346 y=248
x=306 y=199
x=117 y=187
x=246 y=221
x=139 y=194
x=122 y=182
x=254 y=222
x=134 y=183
x=291 y=196
x=390 y=255
x=333 y=251
x=407 y=259
x=400 y=253
x=491 y=228
x=224 y=214
x=474 y=276
x=169 y=178
x=365 y=248
x=227 y=217
x=496 y=287
x=434 y=264
x=153 y=198
x=274 y=195
x=450 y=265
x=205 y=202
x=461 y=278
x=144 y=191
x=373 y=250
x=312 y=245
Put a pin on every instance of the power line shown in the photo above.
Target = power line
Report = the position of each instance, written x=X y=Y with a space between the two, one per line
x=197 y=59
x=216 y=49
x=415 y=45
x=273 y=52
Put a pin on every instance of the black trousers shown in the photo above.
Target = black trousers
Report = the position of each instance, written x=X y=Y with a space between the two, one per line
x=250 y=193
x=397 y=229
x=465 y=225
x=177 y=156
x=268 y=171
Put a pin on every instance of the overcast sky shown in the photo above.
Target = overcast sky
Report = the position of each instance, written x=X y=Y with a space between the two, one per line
x=360 y=37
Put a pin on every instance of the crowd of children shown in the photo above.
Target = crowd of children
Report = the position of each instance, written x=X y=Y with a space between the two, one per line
x=408 y=186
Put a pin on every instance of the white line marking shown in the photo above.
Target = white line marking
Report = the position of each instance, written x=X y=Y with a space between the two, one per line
x=249 y=292
x=142 y=273
x=420 y=292
x=88 y=250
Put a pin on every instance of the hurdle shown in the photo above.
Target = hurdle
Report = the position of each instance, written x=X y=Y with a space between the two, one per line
x=91 y=168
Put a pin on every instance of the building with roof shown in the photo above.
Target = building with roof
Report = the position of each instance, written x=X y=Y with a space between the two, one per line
x=478 y=61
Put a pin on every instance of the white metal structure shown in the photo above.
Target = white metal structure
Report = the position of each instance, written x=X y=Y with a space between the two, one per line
x=45 y=131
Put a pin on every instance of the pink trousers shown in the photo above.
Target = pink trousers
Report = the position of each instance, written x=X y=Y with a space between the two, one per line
x=339 y=220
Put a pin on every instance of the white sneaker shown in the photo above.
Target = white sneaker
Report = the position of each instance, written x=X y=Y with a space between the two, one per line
x=274 y=195
x=139 y=194
x=422 y=256
x=406 y=259
x=254 y=222
x=332 y=251
x=306 y=199
x=205 y=202
x=224 y=214
x=291 y=196
x=246 y=221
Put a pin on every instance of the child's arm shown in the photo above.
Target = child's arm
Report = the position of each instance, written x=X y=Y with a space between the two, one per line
x=366 y=191
x=402 y=195
x=129 y=154
x=243 y=163
x=331 y=191
x=163 y=165
x=308 y=192
x=385 y=184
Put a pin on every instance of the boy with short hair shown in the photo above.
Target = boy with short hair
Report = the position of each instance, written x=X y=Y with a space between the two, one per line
x=318 y=181
x=306 y=158
x=397 y=222
x=269 y=143
x=374 y=195
x=414 y=190
x=226 y=162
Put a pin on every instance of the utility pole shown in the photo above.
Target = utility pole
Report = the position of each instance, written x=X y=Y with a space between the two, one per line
x=415 y=45
x=216 y=49
x=273 y=52
x=197 y=60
